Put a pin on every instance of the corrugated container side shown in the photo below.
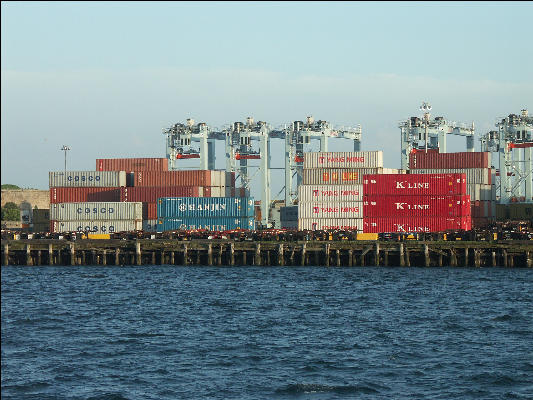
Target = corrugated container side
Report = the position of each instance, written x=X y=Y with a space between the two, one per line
x=349 y=210
x=343 y=159
x=87 y=179
x=415 y=184
x=480 y=192
x=149 y=210
x=289 y=213
x=210 y=224
x=330 y=193
x=150 y=194
x=522 y=211
x=315 y=224
x=172 y=178
x=132 y=164
x=449 y=160
x=205 y=207
x=150 y=225
x=480 y=222
x=41 y=216
x=415 y=224
x=83 y=194
x=473 y=175
x=96 y=226
x=416 y=206
x=337 y=176
x=95 y=211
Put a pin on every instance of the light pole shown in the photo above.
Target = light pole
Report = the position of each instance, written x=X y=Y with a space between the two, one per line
x=65 y=148
x=426 y=107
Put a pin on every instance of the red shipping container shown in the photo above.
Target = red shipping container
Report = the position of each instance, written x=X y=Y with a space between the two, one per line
x=83 y=194
x=150 y=194
x=172 y=178
x=414 y=184
x=149 y=211
x=415 y=224
x=417 y=206
x=131 y=164
x=464 y=159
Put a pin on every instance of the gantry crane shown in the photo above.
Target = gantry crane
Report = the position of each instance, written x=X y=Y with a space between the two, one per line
x=251 y=141
x=300 y=134
x=426 y=133
x=513 y=141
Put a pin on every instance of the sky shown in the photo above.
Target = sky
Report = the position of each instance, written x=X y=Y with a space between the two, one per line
x=106 y=77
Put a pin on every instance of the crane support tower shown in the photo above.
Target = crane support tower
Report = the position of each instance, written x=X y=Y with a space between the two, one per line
x=251 y=141
x=299 y=134
x=426 y=133
x=513 y=141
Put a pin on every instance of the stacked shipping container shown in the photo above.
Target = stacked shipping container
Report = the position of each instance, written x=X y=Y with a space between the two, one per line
x=479 y=178
x=330 y=196
x=211 y=213
x=415 y=203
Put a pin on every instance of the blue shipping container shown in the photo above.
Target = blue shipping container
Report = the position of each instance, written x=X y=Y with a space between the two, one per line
x=205 y=207
x=210 y=224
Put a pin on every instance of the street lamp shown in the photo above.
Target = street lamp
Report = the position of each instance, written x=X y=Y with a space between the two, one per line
x=65 y=148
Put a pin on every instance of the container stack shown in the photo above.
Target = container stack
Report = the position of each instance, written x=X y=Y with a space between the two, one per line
x=209 y=213
x=87 y=200
x=415 y=203
x=331 y=193
x=288 y=217
x=479 y=178
x=149 y=179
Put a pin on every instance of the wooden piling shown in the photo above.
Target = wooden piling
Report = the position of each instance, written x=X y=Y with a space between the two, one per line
x=477 y=258
x=494 y=264
x=407 y=257
x=72 y=254
x=104 y=257
x=198 y=258
x=267 y=258
x=440 y=259
x=453 y=258
x=291 y=258
x=427 y=261
x=281 y=260
x=350 y=258
x=6 y=254
x=172 y=259
x=529 y=261
x=50 y=254
x=185 y=255
x=504 y=255
x=38 y=257
x=466 y=257
x=338 y=258
x=162 y=257
x=117 y=256
x=232 y=254
x=29 y=260
x=326 y=250
x=138 y=254
x=257 y=258
x=209 y=254
x=402 y=259
x=376 y=255
x=302 y=261
x=386 y=258
x=244 y=257
x=511 y=260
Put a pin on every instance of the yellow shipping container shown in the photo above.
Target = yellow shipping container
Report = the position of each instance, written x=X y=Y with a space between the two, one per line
x=367 y=236
x=98 y=236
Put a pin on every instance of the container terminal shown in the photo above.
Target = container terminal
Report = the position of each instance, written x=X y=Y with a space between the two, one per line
x=439 y=208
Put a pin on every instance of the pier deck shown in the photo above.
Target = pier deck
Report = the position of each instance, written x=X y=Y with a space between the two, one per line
x=269 y=253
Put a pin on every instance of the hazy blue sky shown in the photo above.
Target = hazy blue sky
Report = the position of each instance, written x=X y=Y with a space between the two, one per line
x=105 y=78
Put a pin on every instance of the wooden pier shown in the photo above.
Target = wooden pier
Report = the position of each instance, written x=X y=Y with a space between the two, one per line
x=269 y=253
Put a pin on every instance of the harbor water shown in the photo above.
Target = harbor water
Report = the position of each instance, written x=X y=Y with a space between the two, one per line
x=166 y=332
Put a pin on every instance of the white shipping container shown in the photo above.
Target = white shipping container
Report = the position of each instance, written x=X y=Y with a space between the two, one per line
x=479 y=192
x=95 y=211
x=330 y=193
x=343 y=159
x=87 y=179
x=96 y=226
x=473 y=175
x=315 y=224
x=340 y=176
x=343 y=209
